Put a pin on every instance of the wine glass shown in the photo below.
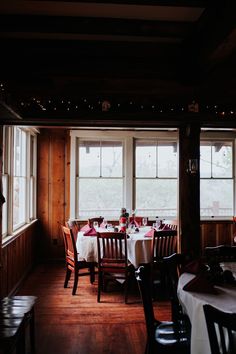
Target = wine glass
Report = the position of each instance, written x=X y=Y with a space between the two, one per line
x=144 y=221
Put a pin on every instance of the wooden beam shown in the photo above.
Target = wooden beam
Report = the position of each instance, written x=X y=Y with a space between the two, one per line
x=8 y=114
x=214 y=38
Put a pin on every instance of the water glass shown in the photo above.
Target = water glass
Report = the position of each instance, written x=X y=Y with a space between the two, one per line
x=95 y=225
x=144 y=221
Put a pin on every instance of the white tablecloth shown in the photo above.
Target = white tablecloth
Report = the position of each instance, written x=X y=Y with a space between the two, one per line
x=138 y=247
x=193 y=303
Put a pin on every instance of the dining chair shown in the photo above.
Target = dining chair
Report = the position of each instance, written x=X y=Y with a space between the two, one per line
x=221 y=327
x=99 y=220
x=221 y=253
x=164 y=243
x=112 y=260
x=73 y=262
x=162 y=336
x=74 y=226
x=174 y=265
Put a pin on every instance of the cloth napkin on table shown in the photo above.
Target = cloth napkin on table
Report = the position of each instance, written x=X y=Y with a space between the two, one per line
x=150 y=233
x=200 y=284
x=194 y=267
x=85 y=228
x=91 y=232
x=166 y=228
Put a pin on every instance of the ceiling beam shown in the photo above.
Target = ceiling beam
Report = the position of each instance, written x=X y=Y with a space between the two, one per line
x=177 y=3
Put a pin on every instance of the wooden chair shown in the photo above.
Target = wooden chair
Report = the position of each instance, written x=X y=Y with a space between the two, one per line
x=73 y=263
x=16 y=314
x=221 y=253
x=99 y=220
x=173 y=265
x=74 y=226
x=112 y=259
x=220 y=327
x=171 y=224
x=162 y=337
x=164 y=243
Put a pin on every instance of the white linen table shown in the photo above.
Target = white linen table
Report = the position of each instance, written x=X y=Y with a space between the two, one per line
x=138 y=247
x=192 y=304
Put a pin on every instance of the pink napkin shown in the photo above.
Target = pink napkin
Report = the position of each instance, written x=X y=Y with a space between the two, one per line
x=91 y=232
x=103 y=225
x=200 y=284
x=194 y=267
x=85 y=228
x=150 y=233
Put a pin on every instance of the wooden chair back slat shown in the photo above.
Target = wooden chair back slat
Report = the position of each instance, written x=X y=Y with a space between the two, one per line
x=220 y=327
x=164 y=243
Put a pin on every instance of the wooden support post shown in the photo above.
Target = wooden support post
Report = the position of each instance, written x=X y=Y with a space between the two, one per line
x=189 y=188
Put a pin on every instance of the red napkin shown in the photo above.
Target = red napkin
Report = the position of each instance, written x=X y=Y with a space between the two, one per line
x=85 y=228
x=150 y=233
x=166 y=228
x=200 y=284
x=194 y=267
x=91 y=232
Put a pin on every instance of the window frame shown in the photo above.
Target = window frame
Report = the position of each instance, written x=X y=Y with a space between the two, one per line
x=128 y=138
x=216 y=137
x=8 y=170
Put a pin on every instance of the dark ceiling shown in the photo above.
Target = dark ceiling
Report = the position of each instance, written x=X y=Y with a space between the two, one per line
x=144 y=51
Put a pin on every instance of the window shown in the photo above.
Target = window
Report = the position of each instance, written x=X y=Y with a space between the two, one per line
x=156 y=178
x=19 y=178
x=100 y=178
x=217 y=183
x=115 y=169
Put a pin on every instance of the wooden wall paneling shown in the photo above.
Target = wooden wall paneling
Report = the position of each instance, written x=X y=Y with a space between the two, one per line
x=67 y=176
x=57 y=190
x=43 y=193
x=224 y=233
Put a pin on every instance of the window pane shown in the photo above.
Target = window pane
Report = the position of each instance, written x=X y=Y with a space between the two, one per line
x=205 y=160
x=167 y=159
x=216 y=197
x=19 y=201
x=111 y=159
x=4 y=206
x=222 y=159
x=89 y=159
x=100 y=197
x=156 y=197
x=31 y=201
x=145 y=158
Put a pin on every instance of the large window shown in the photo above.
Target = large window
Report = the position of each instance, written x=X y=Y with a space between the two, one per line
x=156 y=178
x=19 y=178
x=111 y=170
x=217 y=183
x=100 y=178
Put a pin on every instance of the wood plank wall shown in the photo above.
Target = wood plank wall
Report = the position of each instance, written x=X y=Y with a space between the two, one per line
x=53 y=197
x=18 y=257
x=53 y=190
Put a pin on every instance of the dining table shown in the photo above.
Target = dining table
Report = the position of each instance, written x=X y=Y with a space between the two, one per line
x=192 y=304
x=138 y=246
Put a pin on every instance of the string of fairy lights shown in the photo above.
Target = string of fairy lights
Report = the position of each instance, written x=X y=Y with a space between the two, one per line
x=41 y=105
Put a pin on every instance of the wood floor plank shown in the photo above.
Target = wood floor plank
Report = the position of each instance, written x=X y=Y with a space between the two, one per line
x=67 y=324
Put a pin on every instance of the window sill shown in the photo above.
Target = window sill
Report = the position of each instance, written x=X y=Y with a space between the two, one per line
x=9 y=238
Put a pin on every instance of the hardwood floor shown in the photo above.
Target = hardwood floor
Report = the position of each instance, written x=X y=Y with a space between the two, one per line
x=67 y=324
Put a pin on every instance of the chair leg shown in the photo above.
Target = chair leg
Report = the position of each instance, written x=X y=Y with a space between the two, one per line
x=92 y=273
x=76 y=278
x=126 y=288
x=68 y=274
x=100 y=281
x=32 y=332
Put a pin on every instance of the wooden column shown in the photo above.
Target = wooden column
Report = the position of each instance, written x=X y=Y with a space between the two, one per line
x=189 y=189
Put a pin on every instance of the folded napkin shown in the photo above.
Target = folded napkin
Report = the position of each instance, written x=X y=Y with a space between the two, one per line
x=200 y=284
x=194 y=267
x=91 y=232
x=85 y=228
x=150 y=233
x=166 y=228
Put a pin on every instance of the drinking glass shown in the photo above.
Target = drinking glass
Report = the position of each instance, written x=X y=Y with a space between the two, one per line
x=95 y=225
x=144 y=221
